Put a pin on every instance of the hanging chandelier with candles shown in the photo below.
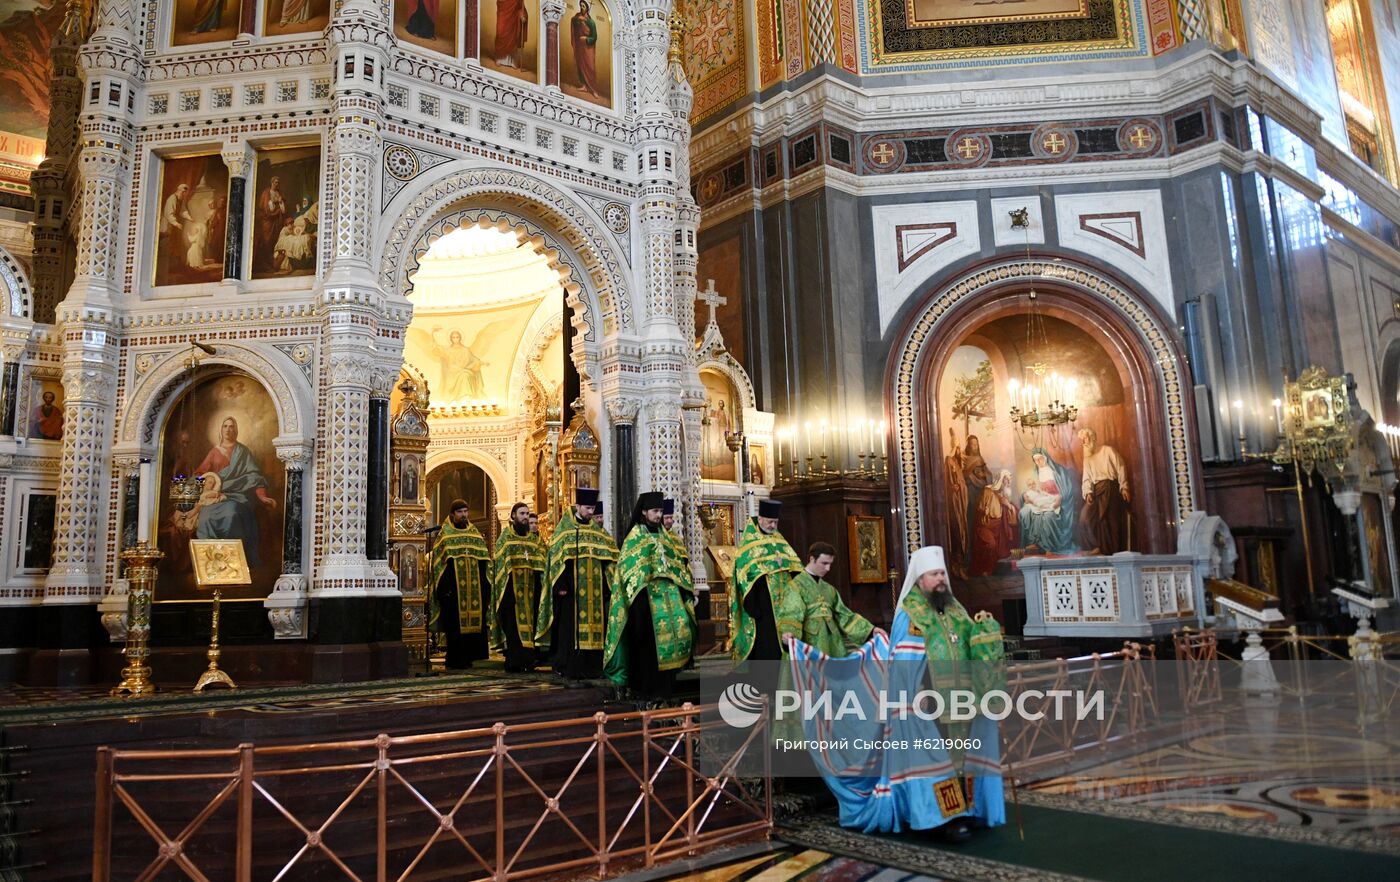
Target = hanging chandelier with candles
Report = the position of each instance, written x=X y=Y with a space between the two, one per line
x=1040 y=398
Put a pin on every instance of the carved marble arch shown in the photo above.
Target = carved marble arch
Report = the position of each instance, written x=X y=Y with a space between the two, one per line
x=19 y=297
x=726 y=364
x=602 y=299
x=1120 y=313
x=155 y=395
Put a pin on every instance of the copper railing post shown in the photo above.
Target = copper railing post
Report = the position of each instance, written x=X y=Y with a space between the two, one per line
x=689 y=777
x=500 y=730
x=243 y=859
x=647 y=790
x=102 y=827
x=601 y=740
x=382 y=773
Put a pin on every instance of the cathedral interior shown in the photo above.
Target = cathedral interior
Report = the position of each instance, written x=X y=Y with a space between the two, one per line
x=1100 y=297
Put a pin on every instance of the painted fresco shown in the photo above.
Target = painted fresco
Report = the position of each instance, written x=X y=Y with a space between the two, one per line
x=286 y=212
x=715 y=61
x=196 y=22
x=192 y=220
x=26 y=31
x=467 y=356
x=46 y=413
x=222 y=430
x=1065 y=491
x=717 y=461
x=586 y=51
x=431 y=24
x=510 y=37
x=948 y=13
x=283 y=17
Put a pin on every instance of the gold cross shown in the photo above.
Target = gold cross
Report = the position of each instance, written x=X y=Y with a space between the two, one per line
x=968 y=148
x=883 y=152
x=1142 y=137
x=1054 y=143
x=710 y=188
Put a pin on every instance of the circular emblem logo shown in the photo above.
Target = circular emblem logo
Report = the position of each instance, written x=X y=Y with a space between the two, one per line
x=740 y=705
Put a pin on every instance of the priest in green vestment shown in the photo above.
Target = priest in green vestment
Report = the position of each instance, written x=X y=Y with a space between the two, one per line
x=668 y=526
x=763 y=567
x=461 y=588
x=571 y=629
x=517 y=573
x=812 y=611
x=651 y=622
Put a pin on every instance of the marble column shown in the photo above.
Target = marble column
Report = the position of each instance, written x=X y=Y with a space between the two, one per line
x=377 y=519
x=286 y=605
x=551 y=11
x=292 y=522
x=623 y=413
x=239 y=159
x=9 y=393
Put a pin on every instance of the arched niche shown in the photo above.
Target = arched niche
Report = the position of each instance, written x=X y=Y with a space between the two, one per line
x=1148 y=360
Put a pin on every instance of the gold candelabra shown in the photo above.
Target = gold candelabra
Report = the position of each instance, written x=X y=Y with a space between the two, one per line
x=141 y=563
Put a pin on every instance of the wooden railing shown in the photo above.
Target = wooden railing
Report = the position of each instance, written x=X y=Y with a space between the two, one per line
x=517 y=801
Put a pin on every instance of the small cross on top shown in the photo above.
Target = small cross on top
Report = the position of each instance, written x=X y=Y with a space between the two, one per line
x=712 y=298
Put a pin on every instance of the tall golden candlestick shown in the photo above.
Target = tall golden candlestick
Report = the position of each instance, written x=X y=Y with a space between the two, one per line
x=141 y=563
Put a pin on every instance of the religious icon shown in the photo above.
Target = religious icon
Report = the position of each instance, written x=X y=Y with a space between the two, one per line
x=219 y=562
x=196 y=22
x=716 y=459
x=408 y=479
x=408 y=570
x=867 y=548
x=585 y=50
x=46 y=420
x=510 y=37
x=192 y=219
x=431 y=24
x=758 y=471
x=286 y=212
x=1317 y=407
x=296 y=17
x=222 y=431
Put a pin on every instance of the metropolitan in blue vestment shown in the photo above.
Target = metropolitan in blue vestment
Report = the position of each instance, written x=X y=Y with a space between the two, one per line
x=933 y=643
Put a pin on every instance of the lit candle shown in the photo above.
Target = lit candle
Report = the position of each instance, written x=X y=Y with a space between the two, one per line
x=807 y=433
x=143 y=506
x=1239 y=415
x=882 y=438
x=1278 y=414
x=825 y=450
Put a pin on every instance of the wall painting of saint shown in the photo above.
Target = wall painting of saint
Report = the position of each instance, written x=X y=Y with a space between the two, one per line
x=283 y=17
x=431 y=24
x=222 y=430
x=46 y=410
x=286 y=212
x=191 y=220
x=585 y=51
x=716 y=459
x=510 y=37
x=195 y=22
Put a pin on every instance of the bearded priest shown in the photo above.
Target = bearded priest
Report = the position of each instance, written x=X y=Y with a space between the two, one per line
x=461 y=588
x=764 y=565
